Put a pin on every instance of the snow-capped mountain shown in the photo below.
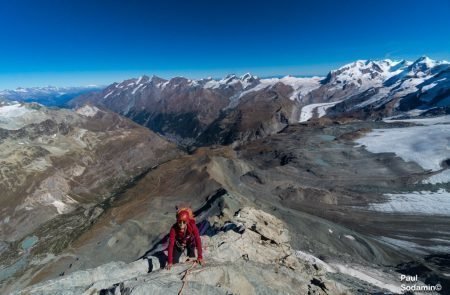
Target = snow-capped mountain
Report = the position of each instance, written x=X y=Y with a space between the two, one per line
x=377 y=89
x=48 y=95
x=231 y=84
x=185 y=109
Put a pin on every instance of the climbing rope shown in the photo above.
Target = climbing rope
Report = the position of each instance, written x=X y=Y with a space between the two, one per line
x=184 y=278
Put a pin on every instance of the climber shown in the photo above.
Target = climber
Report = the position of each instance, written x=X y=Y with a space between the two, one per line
x=184 y=235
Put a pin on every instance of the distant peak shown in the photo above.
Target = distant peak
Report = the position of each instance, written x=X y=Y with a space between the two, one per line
x=248 y=77
x=141 y=79
x=178 y=79
x=362 y=62
x=229 y=78
x=423 y=64
x=155 y=78
x=424 y=58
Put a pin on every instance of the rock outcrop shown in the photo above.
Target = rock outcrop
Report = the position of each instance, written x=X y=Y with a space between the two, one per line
x=249 y=254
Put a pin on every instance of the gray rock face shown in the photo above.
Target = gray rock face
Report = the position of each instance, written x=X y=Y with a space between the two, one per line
x=250 y=254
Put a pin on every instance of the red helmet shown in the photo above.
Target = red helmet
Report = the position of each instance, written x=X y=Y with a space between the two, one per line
x=183 y=215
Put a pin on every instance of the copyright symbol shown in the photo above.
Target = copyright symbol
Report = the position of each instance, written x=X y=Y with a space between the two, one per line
x=438 y=287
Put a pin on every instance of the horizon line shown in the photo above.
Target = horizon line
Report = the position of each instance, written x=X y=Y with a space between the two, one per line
x=105 y=78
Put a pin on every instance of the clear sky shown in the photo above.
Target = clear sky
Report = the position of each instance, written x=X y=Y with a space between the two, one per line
x=80 y=42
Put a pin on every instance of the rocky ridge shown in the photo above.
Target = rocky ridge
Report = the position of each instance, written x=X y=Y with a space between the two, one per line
x=248 y=253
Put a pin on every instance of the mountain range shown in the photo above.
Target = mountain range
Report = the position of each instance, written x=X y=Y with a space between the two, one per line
x=329 y=184
x=208 y=111
x=48 y=95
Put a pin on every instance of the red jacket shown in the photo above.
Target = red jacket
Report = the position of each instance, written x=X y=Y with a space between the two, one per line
x=190 y=236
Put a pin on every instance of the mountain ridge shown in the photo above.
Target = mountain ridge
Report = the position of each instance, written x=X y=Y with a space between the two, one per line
x=364 y=89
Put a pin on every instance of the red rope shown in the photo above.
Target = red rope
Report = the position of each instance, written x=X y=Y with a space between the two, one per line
x=186 y=272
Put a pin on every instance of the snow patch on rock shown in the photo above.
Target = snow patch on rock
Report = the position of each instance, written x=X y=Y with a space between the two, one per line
x=426 y=145
x=424 y=202
x=301 y=86
x=351 y=238
x=53 y=192
x=16 y=116
x=441 y=177
x=87 y=111
x=308 y=111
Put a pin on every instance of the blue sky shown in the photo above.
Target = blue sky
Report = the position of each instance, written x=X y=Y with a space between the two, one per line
x=55 y=42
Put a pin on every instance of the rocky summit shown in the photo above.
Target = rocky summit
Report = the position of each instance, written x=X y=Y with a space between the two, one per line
x=248 y=253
